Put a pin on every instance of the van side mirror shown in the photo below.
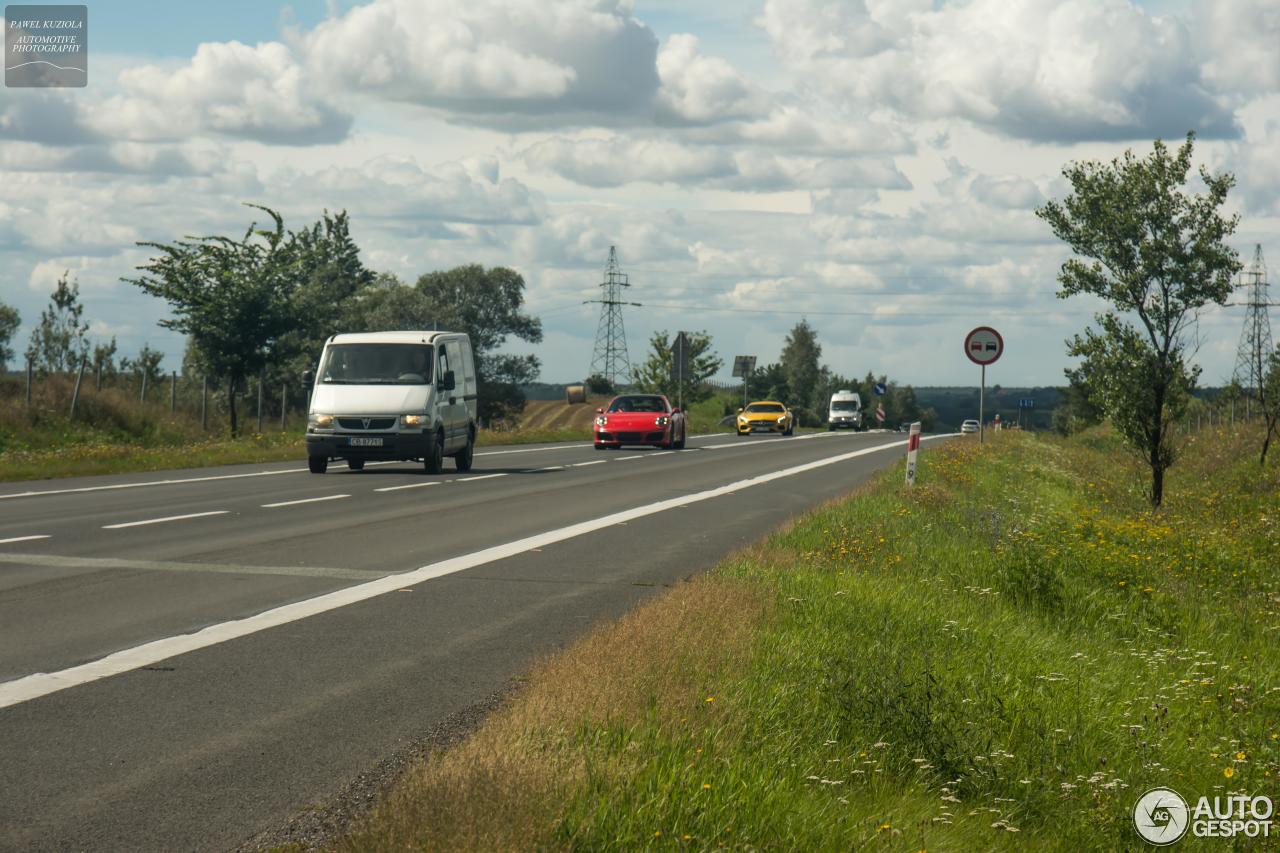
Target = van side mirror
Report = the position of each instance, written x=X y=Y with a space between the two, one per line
x=447 y=382
x=308 y=378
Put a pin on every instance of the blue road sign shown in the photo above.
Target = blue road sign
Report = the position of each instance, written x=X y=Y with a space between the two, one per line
x=880 y=389
x=1026 y=403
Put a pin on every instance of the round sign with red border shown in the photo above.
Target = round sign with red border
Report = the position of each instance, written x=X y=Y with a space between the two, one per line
x=983 y=345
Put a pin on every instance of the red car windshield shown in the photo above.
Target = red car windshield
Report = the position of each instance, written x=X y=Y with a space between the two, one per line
x=638 y=404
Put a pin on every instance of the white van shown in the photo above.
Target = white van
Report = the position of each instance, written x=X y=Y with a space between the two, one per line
x=845 y=411
x=393 y=396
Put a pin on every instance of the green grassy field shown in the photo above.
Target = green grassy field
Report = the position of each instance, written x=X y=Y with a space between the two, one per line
x=1003 y=658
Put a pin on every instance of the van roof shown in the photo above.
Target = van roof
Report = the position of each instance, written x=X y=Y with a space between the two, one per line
x=845 y=394
x=408 y=337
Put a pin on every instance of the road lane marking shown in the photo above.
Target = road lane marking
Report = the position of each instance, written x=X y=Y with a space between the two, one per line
x=410 y=486
x=101 y=563
x=663 y=453
x=592 y=462
x=215 y=477
x=625 y=458
x=305 y=501
x=481 y=477
x=21 y=539
x=165 y=519
x=43 y=683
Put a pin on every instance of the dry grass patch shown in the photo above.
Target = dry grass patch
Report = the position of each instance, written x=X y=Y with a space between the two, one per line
x=505 y=787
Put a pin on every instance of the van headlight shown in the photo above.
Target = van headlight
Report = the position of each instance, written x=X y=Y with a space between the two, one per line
x=316 y=421
x=413 y=421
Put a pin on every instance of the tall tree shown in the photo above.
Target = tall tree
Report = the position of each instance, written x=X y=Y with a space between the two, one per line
x=800 y=354
x=655 y=375
x=9 y=321
x=59 y=343
x=330 y=275
x=487 y=305
x=232 y=298
x=1158 y=254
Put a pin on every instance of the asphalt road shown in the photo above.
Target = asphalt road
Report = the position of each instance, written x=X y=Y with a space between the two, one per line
x=188 y=658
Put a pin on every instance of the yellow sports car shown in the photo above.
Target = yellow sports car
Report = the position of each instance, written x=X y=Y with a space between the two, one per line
x=766 y=416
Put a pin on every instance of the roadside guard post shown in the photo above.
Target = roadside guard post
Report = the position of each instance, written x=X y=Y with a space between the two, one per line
x=983 y=346
x=913 y=446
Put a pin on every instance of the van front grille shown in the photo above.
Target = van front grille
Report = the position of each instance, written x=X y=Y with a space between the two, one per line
x=366 y=423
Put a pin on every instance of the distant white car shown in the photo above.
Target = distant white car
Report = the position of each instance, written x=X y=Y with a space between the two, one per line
x=969 y=426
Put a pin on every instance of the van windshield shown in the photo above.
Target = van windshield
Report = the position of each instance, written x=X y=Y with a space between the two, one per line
x=844 y=405
x=376 y=364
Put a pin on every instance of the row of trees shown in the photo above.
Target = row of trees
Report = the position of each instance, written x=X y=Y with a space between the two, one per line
x=798 y=378
x=263 y=305
x=61 y=342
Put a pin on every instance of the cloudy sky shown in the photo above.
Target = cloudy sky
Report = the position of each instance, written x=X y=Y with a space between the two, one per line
x=871 y=165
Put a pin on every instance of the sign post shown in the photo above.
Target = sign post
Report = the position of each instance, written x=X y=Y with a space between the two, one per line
x=983 y=346
x=744 y=366
x=680 y=365
x=913 y=445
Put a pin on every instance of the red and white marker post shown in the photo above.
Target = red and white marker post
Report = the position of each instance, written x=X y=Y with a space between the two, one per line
x=913 y=445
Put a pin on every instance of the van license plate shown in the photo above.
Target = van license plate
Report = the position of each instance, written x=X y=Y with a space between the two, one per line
x=366 y=442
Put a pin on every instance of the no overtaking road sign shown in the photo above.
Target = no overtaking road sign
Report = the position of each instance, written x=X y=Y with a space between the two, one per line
x=983 y=345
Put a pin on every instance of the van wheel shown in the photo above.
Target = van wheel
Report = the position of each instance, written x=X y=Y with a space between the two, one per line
x=355 y=464
x=434 y=463
x=462 y=461
x=318 y=464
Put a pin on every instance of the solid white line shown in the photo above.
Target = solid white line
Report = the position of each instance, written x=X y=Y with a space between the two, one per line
x=21 y=539
x=592 y=462
x=481 y=477
x=43 y=683
x=166 y=518
x=410 y=486
x=305 y=501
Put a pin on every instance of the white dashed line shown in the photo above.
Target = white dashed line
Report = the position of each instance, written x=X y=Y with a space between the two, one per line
x=305 y=501
x=592 y=462
x=625 y=458
x=21 y=539
x=163 y=520
x=410 y=486
x=481 y=477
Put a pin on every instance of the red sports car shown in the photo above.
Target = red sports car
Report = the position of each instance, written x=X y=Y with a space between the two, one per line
x=639 y=419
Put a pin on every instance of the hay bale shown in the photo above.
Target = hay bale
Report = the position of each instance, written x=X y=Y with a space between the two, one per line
x=575 y=394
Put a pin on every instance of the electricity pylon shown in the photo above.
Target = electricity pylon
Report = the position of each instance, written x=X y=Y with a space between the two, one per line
x=610 y=356
x=1255 y=339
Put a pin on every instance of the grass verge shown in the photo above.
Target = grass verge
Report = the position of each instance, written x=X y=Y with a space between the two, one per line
x=1003 y=658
